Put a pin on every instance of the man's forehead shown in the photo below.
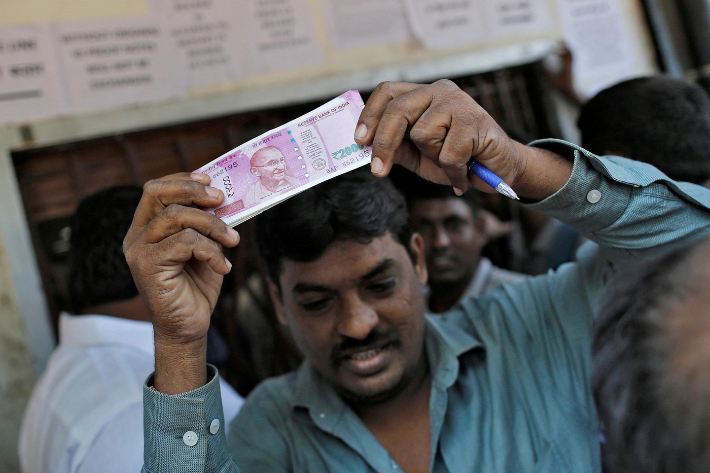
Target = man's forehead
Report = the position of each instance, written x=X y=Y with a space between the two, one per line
x=344 y=261
x=266 y=154
x=435 y=209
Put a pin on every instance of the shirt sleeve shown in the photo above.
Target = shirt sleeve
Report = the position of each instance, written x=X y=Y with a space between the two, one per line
x=184 y=433
x=626 y=206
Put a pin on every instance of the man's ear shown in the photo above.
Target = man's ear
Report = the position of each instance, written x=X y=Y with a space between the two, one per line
x=416 y=245
x=275 y=294
x=256 y=173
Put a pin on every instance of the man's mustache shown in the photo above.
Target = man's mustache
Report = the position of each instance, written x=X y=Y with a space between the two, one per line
x=446 y=252
x=353 y=345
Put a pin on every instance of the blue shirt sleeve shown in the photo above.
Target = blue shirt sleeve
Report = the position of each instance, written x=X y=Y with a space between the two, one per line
x=629 y=208
x=179 y=430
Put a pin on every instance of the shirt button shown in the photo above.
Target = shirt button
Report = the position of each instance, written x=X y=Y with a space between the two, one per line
x=594 y=196
x=322 y=416
x=214 y=426
x=190 y=438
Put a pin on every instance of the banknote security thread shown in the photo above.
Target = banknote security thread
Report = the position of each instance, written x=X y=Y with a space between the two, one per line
x=288 y=160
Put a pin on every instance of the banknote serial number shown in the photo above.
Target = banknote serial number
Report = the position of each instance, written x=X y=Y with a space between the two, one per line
x=228 y=187
x=347 y=151
x=352 y=160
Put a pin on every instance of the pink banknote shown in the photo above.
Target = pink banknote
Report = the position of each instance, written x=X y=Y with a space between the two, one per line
x=285 y=161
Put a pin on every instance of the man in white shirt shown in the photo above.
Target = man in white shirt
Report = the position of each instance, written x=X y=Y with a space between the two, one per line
x=454 y=233
x=269 y=165
x=85 y=414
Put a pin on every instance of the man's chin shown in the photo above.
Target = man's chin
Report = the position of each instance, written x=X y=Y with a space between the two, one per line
x=373 y=391
x=440 y=278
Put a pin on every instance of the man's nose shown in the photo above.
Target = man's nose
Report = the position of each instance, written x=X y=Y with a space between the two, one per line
x=357 y=318
x=440 y=238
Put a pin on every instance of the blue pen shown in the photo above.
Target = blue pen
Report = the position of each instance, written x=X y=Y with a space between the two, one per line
x=492 y=180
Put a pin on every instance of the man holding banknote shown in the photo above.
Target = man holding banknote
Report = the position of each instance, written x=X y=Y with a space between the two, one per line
x=499 y=385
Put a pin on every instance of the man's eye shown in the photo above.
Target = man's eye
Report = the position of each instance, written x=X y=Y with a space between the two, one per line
x=383 y=286
x=422 y=228
x=454 y=225
x=316 y=305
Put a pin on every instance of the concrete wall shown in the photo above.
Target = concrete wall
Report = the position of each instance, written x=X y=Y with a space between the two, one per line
x=17 y=375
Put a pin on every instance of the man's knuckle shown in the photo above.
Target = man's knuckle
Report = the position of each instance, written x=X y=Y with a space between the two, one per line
x=149 y=185
x=383 y=143
x=448 y=160
x=189 y=186
x=173 y=211
x=190 y=236
x=446 y=84
x=384 y=87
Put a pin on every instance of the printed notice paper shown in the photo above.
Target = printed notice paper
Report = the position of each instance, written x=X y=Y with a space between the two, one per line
x=365 y=22
x=443 y=23
x=280 y=35
x=29 y=78
x=114 y=63
x=205 y=36
x=288 y=160
x=596 y=34
x=518 y=17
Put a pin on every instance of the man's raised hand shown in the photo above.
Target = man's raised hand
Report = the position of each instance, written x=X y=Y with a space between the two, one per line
x=434 y=130
x=175 y=254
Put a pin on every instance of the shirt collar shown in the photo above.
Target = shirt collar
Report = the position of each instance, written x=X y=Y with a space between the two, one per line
x=480 y=279
x=94 y=330
x=443 y=342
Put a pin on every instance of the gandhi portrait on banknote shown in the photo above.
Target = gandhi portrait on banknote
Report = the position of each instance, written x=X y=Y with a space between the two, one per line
x=269 y=165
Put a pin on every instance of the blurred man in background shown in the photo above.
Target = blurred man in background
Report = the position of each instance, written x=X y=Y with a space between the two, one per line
x=651 y=379
x=454 y=233
x=85 y=414
x=656 y=120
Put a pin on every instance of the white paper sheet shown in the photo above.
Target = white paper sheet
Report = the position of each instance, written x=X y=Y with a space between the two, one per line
x=516 y=17
x=280 y=35
x=599 y=40
x=204 y=34
x=365 y=22
x=446 y=23
x=29 y=77
x=113 y=63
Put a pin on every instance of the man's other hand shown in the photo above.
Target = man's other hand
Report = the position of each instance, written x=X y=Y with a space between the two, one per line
x=175 y=254
x=435 y=130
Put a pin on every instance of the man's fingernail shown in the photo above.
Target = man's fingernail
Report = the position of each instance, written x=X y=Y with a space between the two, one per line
x=212 y=192
x=199 y=177
x=229 y=265
x=458 y=191
x=361 y=132
x=233 y=234
x=376 y=165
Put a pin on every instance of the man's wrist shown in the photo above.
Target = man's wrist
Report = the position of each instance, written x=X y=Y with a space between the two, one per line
x=180 y=366
x=542 y=172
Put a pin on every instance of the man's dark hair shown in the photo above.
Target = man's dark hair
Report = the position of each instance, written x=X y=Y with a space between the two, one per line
x=415 y=188
x=98 y=272
x=657 y=120
x=651 y=383
x=356 y=206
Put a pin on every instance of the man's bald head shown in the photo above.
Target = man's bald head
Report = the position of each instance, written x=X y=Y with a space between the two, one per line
x=651 y=376
x=265 y=155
